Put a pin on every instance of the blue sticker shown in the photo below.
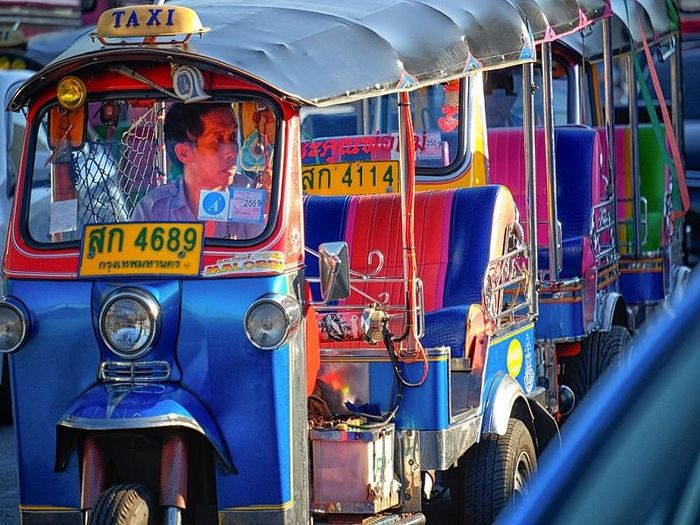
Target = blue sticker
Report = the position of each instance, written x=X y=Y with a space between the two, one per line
x=213 y=206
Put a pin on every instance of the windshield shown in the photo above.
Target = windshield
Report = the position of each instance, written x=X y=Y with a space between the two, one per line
x=367 y=130
x=504 y=101
x=151 y=160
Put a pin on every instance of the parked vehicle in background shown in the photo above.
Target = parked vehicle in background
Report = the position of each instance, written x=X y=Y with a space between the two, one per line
x=631 y=453
x=12 y=127
x=38 y=16
x=690 y=38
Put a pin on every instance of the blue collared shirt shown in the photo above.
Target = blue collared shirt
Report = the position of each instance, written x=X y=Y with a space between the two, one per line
x=168 y=203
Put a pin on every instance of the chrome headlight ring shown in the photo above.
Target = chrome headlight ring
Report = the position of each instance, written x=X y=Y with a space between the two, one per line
x=14 y=324
x=272 y=320
x=130 y=322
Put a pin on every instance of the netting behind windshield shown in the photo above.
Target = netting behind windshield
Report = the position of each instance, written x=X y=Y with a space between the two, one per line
x=141 y=163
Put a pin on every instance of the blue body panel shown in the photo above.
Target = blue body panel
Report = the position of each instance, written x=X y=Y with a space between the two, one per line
x=497 y=361
x=423 y=408
x=560 y=320
x=246 y=391
x=642 y=287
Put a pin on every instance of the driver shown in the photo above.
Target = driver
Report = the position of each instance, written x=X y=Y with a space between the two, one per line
x=202 y=142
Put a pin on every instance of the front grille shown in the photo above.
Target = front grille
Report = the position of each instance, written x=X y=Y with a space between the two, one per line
x=134 y=372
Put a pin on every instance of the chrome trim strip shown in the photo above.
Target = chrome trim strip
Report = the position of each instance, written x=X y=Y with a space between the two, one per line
x=169 y=420
x=134 y=372
x=440 y=449
x=379 y=353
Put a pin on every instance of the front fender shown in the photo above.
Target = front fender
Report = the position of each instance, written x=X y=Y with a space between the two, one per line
x=503 y=395
x=133 y=407
x=611 y=309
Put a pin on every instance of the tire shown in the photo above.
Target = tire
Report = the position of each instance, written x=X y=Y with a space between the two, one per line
x=130 y=504
x=600 y=352
x=493 y=471
x=5 y=394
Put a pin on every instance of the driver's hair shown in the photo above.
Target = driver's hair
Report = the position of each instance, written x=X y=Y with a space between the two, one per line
x=183 y=123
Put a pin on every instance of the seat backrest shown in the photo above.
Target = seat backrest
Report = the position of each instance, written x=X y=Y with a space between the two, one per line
x=457 y=233
x=507 y=167
x=653 y=182
x=579 y=178
x=578 y=171
x=623 y=167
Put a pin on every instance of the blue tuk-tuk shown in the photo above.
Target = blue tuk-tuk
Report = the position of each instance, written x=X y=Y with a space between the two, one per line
x=191 y=340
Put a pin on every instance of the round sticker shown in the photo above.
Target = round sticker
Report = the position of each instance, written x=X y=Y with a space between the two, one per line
x=214 y=203
x=514 y=358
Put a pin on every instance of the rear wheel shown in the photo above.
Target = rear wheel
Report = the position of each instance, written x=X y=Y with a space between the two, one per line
x=601 y=352
x=130 y=504
x=494 y=470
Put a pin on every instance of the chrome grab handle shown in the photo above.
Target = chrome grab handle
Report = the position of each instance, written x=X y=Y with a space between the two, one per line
x=645 y=218
x=420 y=308
x=560 y=246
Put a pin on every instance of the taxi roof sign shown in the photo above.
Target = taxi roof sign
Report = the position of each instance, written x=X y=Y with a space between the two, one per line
x=148 y=22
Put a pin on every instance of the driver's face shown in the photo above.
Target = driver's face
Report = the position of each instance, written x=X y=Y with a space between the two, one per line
x=213 y=156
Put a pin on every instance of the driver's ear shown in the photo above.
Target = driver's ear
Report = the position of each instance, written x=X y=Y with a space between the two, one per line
x=183 y=152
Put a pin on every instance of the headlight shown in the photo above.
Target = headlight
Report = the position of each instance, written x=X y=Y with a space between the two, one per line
x=272 y=320
x=14 y=325
x=129 y=322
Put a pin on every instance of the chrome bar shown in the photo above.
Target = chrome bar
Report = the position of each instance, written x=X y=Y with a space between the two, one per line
x=407 y=157
x=364 y=280
x=677 y=92
x=610 y=119
x=173 y=516
x=530 y=177
x=550 y=162
x=634 y=148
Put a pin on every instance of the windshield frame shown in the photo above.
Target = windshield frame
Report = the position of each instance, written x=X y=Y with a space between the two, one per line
x=225 y=95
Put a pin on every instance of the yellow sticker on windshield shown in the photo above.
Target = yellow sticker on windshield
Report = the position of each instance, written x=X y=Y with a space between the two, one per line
x=141 y=249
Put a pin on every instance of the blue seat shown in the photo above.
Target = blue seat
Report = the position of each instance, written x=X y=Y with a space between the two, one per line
x=454 y=244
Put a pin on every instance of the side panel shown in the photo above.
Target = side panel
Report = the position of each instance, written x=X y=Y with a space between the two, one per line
x=512 y=354
x=58 y=362
x=367 y=377
x=642 y=280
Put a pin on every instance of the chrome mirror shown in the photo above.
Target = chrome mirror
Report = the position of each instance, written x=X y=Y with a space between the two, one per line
x=334 y=271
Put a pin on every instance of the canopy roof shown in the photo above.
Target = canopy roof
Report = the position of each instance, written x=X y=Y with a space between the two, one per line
x=550 y=19
x=624 y=28
x=324 y=52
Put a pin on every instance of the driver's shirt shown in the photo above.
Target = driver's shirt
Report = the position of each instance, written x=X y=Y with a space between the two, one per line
x=168 y=203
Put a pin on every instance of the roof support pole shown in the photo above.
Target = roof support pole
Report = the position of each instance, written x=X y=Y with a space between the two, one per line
x=634 y=148
x=610 y=122
x=530 y=182
x=550 y=163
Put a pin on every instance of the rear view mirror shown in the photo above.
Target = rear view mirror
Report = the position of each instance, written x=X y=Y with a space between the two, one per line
x=67 y=128
x=334 y=269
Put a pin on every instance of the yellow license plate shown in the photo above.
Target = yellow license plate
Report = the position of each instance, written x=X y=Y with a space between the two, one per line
x=351 y=178
x=141 y=249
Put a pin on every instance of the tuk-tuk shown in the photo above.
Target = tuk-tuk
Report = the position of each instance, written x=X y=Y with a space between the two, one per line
x=19 y=56
x=175 y=354
x=652 y=195
x=579 y=303
x=582 y=314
